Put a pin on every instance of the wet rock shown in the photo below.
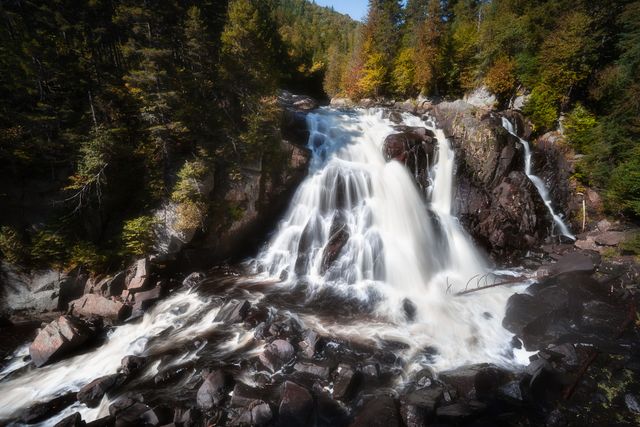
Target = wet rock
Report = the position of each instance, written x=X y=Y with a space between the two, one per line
x=329 y=412
x=410 y=309
x=141 y=275
x=379 y=411
x=212 y=391
x=296 y=405
x=74 y=420
x=312 y=369
x=455 y=412
x=145 y=299
x=44 y=410
x=632 y=403
x=136 y=415
x=522 y=309
x=412 y=416
x=193 y=279
x=57 y=339
x=233 y=311
x=426 y=398
x=5 y=322
x=243 y=395
x=489 y=379
x=110 y=286
x=343 y=382
x=132 y=364
x=108 y=421
x=256 y=413
x=91 y=394
x=91 y=305
x=511 y=391
x=337 y=241
x=123 y=402
x=309 y=342
x=276 y=355
x=464 y=378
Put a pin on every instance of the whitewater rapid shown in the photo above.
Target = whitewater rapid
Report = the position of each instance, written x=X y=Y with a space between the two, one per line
x=394 y=281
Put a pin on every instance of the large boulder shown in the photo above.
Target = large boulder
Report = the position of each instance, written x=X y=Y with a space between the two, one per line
x=415 y=148
x=296 y=404
x=496 y=202
x=276 y=355
x=93 y=305
x=212 y=391
x=91 y=394
x=57 y=339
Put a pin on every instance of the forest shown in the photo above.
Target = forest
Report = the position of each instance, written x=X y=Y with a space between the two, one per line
x=116 y=104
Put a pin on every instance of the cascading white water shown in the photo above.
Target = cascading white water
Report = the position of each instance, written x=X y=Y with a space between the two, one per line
x=393 y=237
x=537 y=182
x=398 y=246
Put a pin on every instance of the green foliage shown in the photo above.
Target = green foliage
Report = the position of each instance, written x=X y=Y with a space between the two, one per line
x=87 y=255
x=138 y=235
x=403 y=75
x=542 y=107
x=623 y=192
x=579 y=127
x=501 y=79
x=190 y=177
x=631 y=244
x=49 y=248
x=12 y=246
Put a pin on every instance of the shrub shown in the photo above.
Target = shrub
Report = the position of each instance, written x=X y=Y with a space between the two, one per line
x=542 y=107
x=190 y=217
x=623 y=193
x=501 y=78
x=87 y=255
x=579 y=126
x=138 y=235
x=49 y=248
x=12 y=246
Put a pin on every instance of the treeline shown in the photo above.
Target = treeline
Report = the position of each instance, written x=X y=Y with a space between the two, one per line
x=111 y=107
x=576 y=60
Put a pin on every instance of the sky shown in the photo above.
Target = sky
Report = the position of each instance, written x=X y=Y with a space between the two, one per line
x=357 y=9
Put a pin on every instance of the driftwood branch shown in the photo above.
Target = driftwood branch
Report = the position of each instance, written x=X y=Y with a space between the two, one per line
x=512 y=281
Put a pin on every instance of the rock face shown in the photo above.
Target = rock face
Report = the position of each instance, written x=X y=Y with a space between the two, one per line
x=415 y=148
x=495 y=200
x=247 y=203
x=58 y=338
x=91 y=305
x=91 y=394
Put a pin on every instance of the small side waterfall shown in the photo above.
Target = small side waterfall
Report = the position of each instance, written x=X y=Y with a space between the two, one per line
x=537 y=182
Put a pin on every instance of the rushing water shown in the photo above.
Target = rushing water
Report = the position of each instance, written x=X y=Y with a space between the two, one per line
x=394 y=280
x=537 y=182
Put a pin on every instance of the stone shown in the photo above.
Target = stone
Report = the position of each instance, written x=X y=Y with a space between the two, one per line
x=44 y=410
x=108 y=421
x=337 y=241
x=341 y=103
x=141 y=277
x=343 y=382
x=57 y=339
x=296 y=405
x=454 y=412
x=132 y=364
x=412 y=416
x=610 y=238
x=193 y=279
x=309 y=342
x=233 y=311
x=481 y=97
x=572 y=262
x=276 y=355
x=427 y=398
x=212 y=391
x=312 y=369
x=91 y=305
x=256 y=413
x=137 y=414
x=379 y=411
x=145 y=299
x=73 y=420
x=243 y=395
x=463 y=378
x=91 y=394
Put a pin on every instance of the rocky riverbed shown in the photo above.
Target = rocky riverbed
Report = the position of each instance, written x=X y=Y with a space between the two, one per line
x=158 y=344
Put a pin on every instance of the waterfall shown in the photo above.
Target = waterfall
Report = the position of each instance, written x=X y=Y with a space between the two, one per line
x=537 y=182
x=400 y=256
x=391 y=235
